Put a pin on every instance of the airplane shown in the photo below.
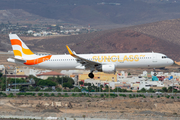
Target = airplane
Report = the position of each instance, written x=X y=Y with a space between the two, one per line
x=107 y=62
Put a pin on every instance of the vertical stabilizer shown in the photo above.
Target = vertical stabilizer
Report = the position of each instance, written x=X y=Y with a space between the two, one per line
x=19 y=48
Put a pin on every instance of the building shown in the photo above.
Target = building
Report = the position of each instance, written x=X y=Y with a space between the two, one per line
x=99 y=76
x=49 y=74
x=2 y=69
x=148 y=84
x=17 y=76
x=122 y=75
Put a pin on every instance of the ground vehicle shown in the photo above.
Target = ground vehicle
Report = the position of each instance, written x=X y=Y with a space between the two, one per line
x=84 y=91
x=13 y=90
x=158 y=93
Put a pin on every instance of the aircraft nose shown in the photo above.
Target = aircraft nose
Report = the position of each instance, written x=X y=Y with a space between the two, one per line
x=171 y=62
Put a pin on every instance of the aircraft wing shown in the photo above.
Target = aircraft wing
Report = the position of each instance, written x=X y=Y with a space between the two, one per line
x=85 y=62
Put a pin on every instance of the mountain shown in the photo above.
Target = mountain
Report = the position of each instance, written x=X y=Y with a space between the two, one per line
x=159 y=37
x=23 y=17
x=113 y=41
x=98 y=13
x=167 y=30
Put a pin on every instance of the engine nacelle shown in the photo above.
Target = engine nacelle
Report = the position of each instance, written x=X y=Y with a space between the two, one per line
x=108 y=68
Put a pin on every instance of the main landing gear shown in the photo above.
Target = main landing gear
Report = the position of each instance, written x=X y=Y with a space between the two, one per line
x=91 y=75
x=154 y=70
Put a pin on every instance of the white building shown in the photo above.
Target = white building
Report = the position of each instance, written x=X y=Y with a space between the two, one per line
x=148 y=84
x=95 y=82
x=2 y=69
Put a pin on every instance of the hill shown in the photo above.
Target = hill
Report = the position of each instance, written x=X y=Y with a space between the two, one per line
x=160 y=37
x=97 y=13
x=20 y=16
x=113 y=41
x=167 y=30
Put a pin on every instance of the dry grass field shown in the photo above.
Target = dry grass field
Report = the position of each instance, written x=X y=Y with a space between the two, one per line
x=120 y=107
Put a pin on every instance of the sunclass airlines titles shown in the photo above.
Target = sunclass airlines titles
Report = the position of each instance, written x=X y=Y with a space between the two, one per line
x=116 y=58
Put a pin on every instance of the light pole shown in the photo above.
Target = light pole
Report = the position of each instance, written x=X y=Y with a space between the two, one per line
x=15 y=79
x=6 y=79
x=172 y=86
x=62 y=84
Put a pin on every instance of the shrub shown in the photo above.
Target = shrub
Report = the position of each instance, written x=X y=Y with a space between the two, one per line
x=167 y=96
x=52 y=94
x=66 y=95
x=122 y=95
x=29 y=94
x=59 y=94
x=11 y=95
x=33 y=94
x=40 y=94
x=102 y=95
x=158 y=96
x=80 y=94
x=113 y=95
x=46 y=95
x=151 y=96
x=172 y=97
x=87 y=95
x=4 y=95
x=177 y=97
x=144 y=96
x=73 y=94
x=18 y=94
x=140 y=95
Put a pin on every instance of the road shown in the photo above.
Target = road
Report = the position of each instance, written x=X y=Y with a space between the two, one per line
x=98 y=93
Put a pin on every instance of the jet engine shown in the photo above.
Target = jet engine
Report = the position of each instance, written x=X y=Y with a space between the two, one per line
x=107 y=68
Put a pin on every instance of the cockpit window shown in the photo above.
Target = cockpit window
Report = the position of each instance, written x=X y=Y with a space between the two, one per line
x=164 y=57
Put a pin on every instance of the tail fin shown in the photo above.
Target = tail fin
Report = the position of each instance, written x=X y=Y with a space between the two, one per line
x=19 y=48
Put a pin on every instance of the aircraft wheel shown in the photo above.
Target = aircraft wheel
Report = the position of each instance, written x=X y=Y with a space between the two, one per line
x=91 y=75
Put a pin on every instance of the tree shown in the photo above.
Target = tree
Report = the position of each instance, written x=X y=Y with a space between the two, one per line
x=65 y=80
x=89 y=88
x=85 y=84
x=1 y=75
x=164 y=89
x=129 y=73
x=46 y=83
x=170 y=89
x=67 y=85
x=21 y=88
x=150 y=90
x=89 y=84
x=76 y=89
x=37 y=89
x=143 y=90
x=34 y=78
x=3 y=87
x=81 y=82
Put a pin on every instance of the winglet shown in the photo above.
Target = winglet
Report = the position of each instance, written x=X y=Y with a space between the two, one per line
x=70 y=51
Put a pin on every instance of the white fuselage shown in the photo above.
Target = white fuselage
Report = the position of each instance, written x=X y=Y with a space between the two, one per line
x=120 y=60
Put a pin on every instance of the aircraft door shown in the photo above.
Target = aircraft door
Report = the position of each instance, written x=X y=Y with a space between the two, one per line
x=45 y=59
x=35 y=61
x=154 y=57
x=121 y=58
